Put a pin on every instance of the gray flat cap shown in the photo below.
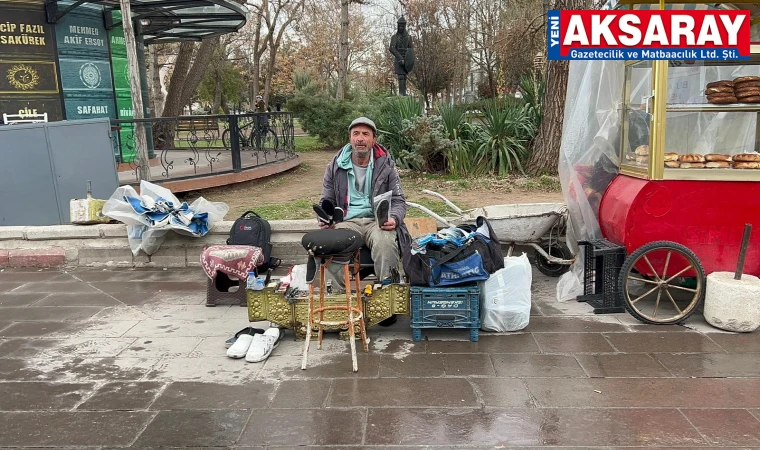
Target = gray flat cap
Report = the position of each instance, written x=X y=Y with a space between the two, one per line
x=363 y=121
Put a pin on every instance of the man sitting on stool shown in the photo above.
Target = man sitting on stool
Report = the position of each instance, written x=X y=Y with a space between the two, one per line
x=360 y=171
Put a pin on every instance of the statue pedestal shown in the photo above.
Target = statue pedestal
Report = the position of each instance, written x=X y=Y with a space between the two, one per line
x=272 y=306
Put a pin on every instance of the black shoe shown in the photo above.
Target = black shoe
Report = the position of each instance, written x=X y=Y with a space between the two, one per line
x=338 y=215
x=249 y=330
x=328 y=207
x=322 y=216
x=389 y=321
x=381 y=212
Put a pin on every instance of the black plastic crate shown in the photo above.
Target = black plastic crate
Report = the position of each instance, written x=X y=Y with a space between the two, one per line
x=602 y=261
x=449 y=307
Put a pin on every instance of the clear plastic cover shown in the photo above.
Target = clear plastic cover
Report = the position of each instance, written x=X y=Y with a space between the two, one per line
x=589 y=154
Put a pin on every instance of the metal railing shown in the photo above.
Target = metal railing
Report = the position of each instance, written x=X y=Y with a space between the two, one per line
x=199 y=146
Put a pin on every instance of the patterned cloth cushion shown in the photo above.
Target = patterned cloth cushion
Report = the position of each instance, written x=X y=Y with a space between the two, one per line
x=233 y=260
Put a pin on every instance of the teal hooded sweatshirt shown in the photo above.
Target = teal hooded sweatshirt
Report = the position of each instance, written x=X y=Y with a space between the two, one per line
x=358 y=205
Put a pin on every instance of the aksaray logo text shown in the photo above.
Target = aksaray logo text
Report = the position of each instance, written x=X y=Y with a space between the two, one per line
x=648 y=34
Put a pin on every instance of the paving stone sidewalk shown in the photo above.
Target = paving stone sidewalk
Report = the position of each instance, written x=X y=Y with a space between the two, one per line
x=133 y=359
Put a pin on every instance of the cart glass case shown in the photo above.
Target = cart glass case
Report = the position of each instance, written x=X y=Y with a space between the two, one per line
x=692 y=132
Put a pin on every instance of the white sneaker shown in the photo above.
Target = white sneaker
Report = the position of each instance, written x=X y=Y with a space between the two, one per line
x=241 y=346
x=263 y=344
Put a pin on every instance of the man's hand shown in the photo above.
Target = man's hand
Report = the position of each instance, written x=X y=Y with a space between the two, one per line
x=389 y=224
x=325 y=226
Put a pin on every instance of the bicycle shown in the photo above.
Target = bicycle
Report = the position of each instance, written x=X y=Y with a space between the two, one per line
x=262 y=136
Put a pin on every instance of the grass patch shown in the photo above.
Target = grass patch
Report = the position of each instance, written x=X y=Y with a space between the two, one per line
x=422 y=176
x=201 y=144
x=302 y=209
x=303 y=143
x=299 y=209
x=544 y=183
x=437 y=206
x=309 y=144
x=550 y=183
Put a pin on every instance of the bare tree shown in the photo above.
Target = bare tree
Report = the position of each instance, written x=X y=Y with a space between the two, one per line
x=188 y=74
x=278 y=19
x=435 y=49
x=486 y=15
x=457 y=16
x=545 y=156
x=189 y=69
x=344 y=48
x=318 y=46
x=520 y=37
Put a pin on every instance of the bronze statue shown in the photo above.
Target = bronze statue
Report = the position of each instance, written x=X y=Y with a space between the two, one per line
x=401 y=48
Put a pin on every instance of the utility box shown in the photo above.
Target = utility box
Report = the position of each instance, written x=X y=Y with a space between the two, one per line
x=43 y=166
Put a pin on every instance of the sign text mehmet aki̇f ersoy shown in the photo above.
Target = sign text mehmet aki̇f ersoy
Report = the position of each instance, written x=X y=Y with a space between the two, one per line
x=644 y=35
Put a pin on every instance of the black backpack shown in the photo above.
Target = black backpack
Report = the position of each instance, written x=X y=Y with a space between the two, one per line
x=251 y=229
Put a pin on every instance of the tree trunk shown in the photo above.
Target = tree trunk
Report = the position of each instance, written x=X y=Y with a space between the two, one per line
x=491 y=79
x=270 y=74
x=545 y=156
x=157 y=93
x=200 y=65
x=343 y=53
x=182 y=86
x=174 y=103
x=150 y=67
x=258 y=51
x=256 y=69
x=141 y=141
x=217 y=93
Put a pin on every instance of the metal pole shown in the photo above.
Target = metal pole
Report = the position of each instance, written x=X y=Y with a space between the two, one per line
x=234 y=127
x=141 y=142
x=743 y=252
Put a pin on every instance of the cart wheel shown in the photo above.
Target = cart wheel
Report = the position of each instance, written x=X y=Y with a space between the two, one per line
x=558 y=250
x=665 y=299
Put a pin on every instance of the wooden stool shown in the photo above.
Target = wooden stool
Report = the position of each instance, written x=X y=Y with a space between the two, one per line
x=328 y=246
x=224 y=262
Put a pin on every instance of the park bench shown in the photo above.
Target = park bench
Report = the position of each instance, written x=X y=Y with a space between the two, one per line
x=199 y=125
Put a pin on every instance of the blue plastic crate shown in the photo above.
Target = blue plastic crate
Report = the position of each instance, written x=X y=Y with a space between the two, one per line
x=449 y=307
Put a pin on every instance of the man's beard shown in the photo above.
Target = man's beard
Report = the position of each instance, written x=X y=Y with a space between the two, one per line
x=362 y=153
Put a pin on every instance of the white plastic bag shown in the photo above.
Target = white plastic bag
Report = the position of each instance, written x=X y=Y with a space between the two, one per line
x=145 y=235
x=298 y=277
x=505 y=296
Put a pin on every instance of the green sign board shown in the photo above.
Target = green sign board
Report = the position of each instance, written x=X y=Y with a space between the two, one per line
x=28 y=71
x=84 y=62
x=123 y=91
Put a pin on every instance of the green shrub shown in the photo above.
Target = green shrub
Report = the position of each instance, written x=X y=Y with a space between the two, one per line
x=533 y=93
x=389 y=119
x=508 y=130
x=452 y=117
x=324 y=117
x=463 y=158
x=427 y=138
x=304 y=83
